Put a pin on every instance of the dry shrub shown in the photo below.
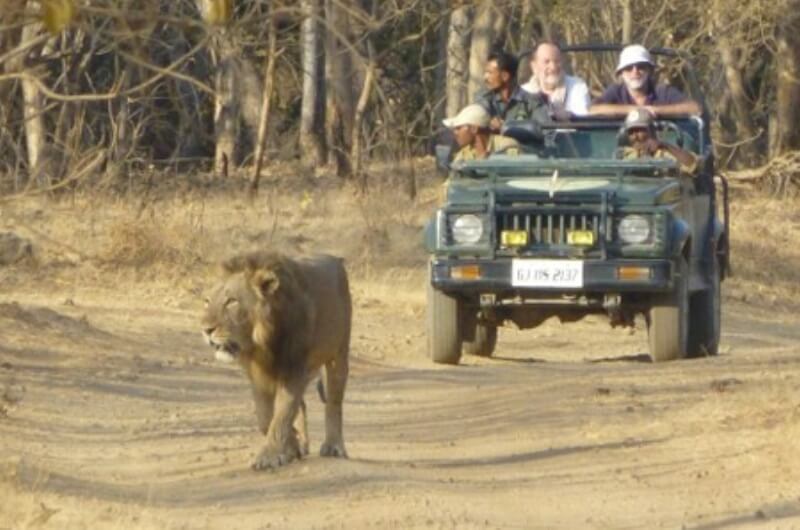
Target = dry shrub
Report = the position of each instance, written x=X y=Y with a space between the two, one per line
x=779 y=178
x=143 y=243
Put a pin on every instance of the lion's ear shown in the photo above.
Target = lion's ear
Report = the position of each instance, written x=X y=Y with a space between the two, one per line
x=265 y=282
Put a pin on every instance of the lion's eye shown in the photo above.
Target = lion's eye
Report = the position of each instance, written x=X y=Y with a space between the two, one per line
x=230 y=303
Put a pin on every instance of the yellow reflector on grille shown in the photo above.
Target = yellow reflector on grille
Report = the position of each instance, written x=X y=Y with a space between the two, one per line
x=514 y=238
x=580 y=238
x=465 y=272
x=633 y=273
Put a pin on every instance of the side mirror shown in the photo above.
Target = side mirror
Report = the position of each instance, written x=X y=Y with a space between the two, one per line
x=443 y=153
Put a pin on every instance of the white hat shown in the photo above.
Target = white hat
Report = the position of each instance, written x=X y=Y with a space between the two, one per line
x=634 y=54
x=470 y=115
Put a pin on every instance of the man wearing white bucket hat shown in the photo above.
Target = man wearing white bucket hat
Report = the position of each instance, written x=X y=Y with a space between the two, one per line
x=637 y=89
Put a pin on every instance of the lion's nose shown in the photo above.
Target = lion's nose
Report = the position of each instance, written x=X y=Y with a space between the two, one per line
x=209 y=331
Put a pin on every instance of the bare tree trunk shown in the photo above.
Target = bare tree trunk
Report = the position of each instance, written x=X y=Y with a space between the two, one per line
x=543 y=10
x=627 y=22
x=340 y=97
x=32 y=103
x=269 y=83
x=480 y=47
x=363 y=101
x=312 y=143
x=370 y=11
x=746 y=128
x=787 y=104
x=499 y=22
x=119 y=117
x=226 y=108
x=440 y=71
x=457 y=60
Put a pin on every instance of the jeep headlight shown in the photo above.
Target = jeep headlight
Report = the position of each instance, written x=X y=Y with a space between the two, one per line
x=466 y=229
x=634 y=229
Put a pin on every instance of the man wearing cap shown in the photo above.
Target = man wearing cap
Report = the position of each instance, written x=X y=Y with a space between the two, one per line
x=471 y=130
x=566 y=95
x=638 y=89
x=503 y=99
x=643 y=143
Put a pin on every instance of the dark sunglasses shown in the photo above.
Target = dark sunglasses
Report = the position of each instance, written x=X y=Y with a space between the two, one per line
x=642 y=67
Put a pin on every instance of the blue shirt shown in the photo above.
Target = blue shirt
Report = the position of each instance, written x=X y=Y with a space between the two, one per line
x=660 y=95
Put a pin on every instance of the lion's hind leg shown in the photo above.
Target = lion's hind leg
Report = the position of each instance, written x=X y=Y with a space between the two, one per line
x=300 y=427
x=336 y=372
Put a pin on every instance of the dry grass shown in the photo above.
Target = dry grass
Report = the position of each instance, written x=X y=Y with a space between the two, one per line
x=175 y=236
x=764 y=239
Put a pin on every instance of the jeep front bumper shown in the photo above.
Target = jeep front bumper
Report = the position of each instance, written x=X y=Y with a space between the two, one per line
x=599 y=276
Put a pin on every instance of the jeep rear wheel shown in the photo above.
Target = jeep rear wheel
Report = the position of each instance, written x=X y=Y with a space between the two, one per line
x=483 y=341
x=444 y=334
x=704 y=327
x=668 y=319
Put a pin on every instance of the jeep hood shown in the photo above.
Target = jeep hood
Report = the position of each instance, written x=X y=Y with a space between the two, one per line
x=625 y=190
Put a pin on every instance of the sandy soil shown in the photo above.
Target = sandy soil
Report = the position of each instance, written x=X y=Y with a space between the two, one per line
x=113 y=413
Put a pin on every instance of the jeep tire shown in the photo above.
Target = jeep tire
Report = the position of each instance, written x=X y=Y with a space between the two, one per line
x=444 y=333
x=668 y=319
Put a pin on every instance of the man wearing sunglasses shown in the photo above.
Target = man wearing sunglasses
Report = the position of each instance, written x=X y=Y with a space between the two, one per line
x=638 y=89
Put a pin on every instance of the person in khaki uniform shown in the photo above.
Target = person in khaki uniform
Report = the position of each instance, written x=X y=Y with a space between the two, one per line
x=471 y=130
x=643 y=143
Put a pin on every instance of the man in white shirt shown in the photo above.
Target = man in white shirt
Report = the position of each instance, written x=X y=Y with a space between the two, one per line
x=566 y=95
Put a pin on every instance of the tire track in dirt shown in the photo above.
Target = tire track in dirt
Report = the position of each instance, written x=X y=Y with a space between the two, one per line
x=552 y=431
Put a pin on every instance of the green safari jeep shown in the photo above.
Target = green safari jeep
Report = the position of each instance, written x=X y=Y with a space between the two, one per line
x=574 y=230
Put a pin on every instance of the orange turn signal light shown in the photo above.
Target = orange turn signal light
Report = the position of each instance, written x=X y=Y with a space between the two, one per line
x=633 y=273
x=465 y=272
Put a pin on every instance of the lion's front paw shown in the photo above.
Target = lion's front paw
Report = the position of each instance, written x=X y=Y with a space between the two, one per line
x=270 y=459
x=335 y=450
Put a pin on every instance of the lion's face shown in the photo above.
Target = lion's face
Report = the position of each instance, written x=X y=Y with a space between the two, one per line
x=229 y=316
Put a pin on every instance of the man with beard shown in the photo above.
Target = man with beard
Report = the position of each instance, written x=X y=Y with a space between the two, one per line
x=638 y=89
x=503 y=99
x=566 y=95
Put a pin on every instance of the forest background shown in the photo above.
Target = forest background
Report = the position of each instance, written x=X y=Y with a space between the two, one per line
x=95 y=92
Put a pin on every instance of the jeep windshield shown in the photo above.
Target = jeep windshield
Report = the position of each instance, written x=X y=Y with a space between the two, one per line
x=588 y=146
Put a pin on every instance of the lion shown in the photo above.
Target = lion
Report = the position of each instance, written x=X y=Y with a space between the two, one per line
x=282 y=319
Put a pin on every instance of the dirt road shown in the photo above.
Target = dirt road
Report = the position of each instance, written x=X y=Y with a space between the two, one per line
x=116 y=416
x=113 y=413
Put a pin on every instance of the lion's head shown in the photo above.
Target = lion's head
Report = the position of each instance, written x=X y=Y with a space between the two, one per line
x=239 y=316
x=257 y=296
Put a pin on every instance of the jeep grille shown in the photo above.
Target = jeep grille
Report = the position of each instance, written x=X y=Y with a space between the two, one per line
x=550 y=229
x=547 y=222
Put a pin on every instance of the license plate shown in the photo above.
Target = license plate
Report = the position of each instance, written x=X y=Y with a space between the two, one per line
x=546 y=273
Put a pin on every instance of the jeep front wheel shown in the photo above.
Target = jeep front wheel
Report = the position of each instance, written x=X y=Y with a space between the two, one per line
x=668 y=319
x=444 y=334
